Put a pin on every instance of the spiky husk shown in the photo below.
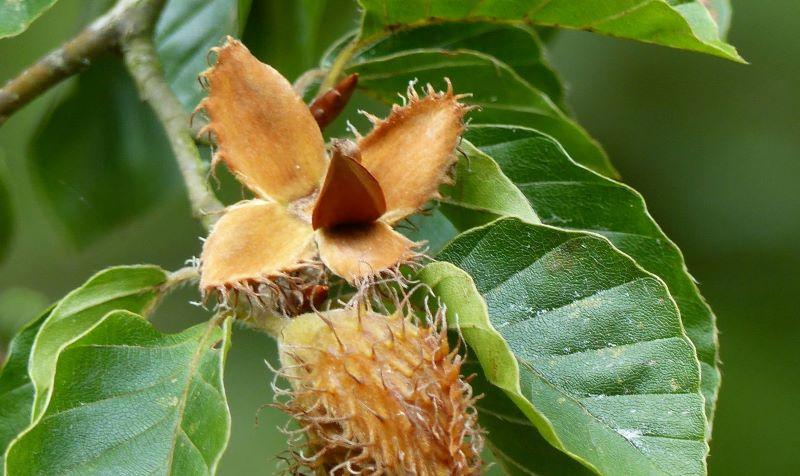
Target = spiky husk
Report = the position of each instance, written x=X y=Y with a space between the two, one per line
x=377 y=394
x=254 y=301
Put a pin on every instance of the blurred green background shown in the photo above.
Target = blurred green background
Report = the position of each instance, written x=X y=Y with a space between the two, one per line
x=713 y=146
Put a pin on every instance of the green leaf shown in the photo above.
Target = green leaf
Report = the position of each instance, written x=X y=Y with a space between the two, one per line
x=28 y=373
x=480 y=186
x=587 y=344
x=130 y=288
x=721 y=12
x=567 y=195
x=17 y=15
x=100 y=157
x=185 y=32
x=434 y=228
x=501 y=91
x=526 y=58
x=517 y=446
x=16 y=388
x=128 y=399
x=684 y=24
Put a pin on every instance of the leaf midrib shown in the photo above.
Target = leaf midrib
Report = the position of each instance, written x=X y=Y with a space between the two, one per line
x=527 y=267
x=196 y=358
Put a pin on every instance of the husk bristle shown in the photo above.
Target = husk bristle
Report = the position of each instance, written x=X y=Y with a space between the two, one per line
x=287 y=294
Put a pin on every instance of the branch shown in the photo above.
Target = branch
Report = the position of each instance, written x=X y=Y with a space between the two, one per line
x=100 y=37
x=180 y=277
x=145 y=68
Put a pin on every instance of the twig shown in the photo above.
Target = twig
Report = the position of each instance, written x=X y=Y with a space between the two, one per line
x=71 y=58
x=182 y=276
x=143 y=64
x=339 y=65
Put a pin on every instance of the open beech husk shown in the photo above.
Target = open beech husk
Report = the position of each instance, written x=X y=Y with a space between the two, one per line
x=251 y=267
x=377 y=394
x=360 y=252
x=411 y=152
x=263 y=130
x=315 y=210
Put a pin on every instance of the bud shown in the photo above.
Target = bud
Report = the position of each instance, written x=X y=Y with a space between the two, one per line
x=377 y=394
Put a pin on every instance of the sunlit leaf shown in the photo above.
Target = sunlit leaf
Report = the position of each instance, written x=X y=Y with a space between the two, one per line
x=679 y=24
x=585 y=343
x=481 y=192
x=128 y=399
x=17 y=15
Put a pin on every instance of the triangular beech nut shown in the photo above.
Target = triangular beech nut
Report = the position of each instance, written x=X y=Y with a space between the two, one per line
x=350 y=194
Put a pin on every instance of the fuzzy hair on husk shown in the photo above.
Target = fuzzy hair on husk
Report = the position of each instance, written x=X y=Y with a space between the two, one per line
x=376 y=394
x=283 y=294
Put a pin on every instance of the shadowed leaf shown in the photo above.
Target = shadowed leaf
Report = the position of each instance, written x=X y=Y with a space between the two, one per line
x=504 y=87
x=186 y=30
x=100 y=157
x=16 y=388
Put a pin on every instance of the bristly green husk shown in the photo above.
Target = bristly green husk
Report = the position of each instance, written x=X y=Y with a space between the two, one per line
x=377 y=394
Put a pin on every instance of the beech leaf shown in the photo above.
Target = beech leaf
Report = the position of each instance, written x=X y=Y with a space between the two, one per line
x=684 y=24
x=587 y=346
x=128 y=399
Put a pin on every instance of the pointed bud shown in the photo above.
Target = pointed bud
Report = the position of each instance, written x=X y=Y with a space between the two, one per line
x=327 y=107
